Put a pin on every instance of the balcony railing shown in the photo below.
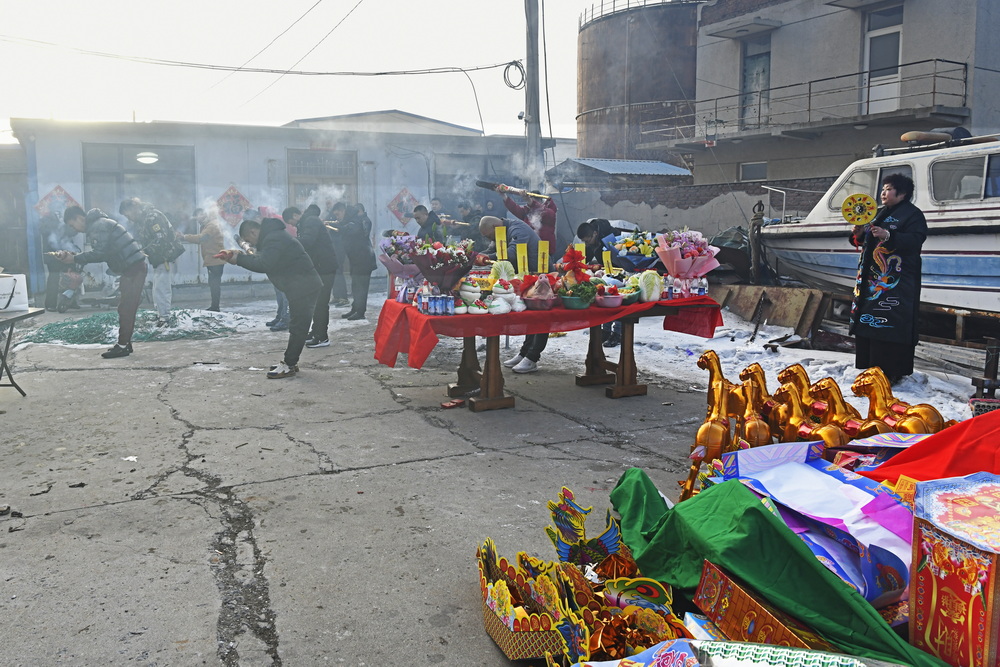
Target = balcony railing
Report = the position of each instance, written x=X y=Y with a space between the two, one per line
x=848 y=98
x=609 y=7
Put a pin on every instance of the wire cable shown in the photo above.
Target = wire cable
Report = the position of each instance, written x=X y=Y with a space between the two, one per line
x=517 y=66
x=315 y=46
x=268 y=45
x=251 y=70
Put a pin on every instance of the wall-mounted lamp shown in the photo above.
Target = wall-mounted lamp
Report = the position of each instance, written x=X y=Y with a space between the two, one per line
x=737 y=141
x=861 y=126
x=147 y=157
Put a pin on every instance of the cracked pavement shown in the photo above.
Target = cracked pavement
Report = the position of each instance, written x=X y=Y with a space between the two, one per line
x=331 y=518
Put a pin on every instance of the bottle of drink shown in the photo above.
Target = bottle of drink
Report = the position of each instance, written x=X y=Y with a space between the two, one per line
x=678 y=289
x=668 y=287
x=425 y=298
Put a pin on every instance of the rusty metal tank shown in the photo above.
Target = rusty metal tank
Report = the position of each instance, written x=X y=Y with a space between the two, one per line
x=636 y=62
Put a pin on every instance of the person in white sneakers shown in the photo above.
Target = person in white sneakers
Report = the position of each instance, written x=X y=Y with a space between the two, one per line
x=289 y=268
x=526 y=361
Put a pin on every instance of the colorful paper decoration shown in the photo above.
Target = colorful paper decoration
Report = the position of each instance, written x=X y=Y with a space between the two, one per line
x=232 y=205
x=402 y=205
x=57 y=201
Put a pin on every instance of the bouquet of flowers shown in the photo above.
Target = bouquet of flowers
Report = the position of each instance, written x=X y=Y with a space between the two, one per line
x=445 y=265
x=686 y=253
x=634 y=251
x=397 y=255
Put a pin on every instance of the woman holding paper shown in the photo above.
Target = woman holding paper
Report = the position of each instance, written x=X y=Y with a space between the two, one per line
x=526 y=361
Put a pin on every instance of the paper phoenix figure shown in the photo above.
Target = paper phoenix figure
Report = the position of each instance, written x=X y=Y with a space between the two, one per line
x=569 y=536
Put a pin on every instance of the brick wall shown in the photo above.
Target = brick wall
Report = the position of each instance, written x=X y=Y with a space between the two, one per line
x=727 y=9
x=694 y=196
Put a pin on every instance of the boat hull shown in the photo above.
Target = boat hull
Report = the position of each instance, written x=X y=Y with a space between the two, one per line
x=960 y=270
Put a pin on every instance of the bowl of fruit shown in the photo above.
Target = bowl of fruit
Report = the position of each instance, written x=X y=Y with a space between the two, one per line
x=608 y=296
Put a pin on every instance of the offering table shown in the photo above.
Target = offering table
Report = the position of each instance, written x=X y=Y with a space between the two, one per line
x=7 y=320
x=402 y=328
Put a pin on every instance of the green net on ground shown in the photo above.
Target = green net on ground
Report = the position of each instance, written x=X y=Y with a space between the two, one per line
x=103 y=328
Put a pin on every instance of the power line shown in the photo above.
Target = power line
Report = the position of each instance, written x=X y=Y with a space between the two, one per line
x=268 y=45
x=249 y=70
x=315 y=46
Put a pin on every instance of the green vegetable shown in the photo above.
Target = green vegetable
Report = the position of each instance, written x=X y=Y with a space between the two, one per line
x=586 y=291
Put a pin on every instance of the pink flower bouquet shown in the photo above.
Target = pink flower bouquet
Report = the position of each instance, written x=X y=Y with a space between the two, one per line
x=686 y=253
x=397 y=256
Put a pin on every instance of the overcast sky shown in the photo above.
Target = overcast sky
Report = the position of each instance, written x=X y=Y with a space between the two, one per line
x=43 y=81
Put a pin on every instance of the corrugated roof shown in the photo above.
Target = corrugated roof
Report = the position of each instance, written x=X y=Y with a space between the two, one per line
x=631 y=167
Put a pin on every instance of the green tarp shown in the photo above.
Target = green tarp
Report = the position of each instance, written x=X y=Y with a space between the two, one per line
x=729 y=526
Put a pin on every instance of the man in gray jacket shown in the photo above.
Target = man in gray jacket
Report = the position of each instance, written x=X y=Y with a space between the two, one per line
x=112 y=244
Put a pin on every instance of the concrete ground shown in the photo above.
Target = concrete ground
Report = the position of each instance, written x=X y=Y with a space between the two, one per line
x=165 y=511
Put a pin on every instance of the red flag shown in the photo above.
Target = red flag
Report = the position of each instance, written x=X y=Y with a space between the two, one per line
x=967 y=447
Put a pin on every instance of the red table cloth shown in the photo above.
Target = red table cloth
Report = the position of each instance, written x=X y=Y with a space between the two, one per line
x=403 y=328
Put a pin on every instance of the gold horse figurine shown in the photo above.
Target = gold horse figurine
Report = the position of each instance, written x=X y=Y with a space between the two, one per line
x=775 y=413
x=800 y=426
x=842 y=413
x=713 y=435
x=796 y=376
x=873 y=384
x=709 y=361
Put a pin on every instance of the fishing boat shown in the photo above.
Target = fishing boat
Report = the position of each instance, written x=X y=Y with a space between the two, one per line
x=957 y=186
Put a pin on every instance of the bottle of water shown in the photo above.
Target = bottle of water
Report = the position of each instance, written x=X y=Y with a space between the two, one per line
x=678 y=289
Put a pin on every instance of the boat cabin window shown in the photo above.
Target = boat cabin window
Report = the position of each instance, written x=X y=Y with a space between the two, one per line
x=859 y=182
x=993 y=176
x=957 y=179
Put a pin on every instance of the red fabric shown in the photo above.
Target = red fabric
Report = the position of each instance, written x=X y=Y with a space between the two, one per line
x=402 y=328
x=967 y=447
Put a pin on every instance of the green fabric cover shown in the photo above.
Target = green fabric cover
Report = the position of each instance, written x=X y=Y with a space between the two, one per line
x=728 y=525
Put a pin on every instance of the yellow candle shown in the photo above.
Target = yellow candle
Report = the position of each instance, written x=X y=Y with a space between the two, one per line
x=543 y=256
x=608 y=268
x=522 y=258
x=501 y=239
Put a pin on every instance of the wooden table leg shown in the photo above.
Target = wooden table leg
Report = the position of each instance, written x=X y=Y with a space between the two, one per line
x=469 y=375
x=626 y=374
x=491 y=396
x=598 y=369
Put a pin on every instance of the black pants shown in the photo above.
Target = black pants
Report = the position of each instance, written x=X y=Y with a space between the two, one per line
x=359 y=290
x=300 y=312
x=895 y=359
x=215 y=283
x=340 y=283
x=533 y=346
x=321 y=313
x=52 y=289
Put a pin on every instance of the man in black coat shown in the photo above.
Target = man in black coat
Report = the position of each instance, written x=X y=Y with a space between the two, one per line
x=592 y=233
x=356 y=231
x=289 y=268
x=887 y=292
x=112 y=244
x=318 y=243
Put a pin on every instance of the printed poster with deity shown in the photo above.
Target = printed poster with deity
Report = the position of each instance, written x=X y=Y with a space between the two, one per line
x=232 y=206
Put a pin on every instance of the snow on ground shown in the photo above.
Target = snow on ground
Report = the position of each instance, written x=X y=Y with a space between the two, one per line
x=671 y=355
x=667 y=355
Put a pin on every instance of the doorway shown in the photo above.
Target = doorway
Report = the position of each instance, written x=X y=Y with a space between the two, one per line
x=880 y=80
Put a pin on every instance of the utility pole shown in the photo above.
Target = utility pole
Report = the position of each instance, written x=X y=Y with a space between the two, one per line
x=532 y=115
